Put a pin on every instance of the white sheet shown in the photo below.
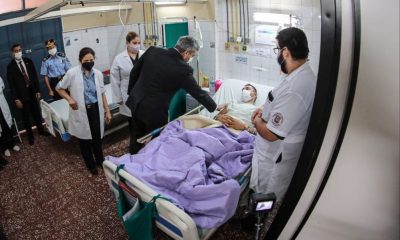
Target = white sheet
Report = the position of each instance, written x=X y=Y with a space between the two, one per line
x=61 y=107
x=57 y=112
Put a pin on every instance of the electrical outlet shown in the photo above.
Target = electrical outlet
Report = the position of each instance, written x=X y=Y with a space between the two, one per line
x=244 y=48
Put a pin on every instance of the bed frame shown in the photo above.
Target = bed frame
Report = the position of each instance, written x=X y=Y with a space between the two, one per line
x=172 y=220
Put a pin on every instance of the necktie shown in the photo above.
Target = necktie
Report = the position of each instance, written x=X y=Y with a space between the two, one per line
x=26 y=78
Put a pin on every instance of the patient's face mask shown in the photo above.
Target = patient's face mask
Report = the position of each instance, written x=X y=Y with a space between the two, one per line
x=246 y=96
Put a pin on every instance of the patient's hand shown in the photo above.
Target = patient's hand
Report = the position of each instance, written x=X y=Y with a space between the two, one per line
x=236 y=123
x=231 y=122
x=224 y=118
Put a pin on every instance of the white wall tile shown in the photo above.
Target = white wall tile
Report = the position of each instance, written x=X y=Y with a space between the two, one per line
x=308 y=10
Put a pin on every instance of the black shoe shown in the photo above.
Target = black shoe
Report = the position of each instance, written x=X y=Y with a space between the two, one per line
x=94 y=171
x=3 y=161
x=44 y=133
x=100 y=164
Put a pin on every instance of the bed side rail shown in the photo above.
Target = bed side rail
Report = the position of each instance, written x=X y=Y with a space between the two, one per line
x=167 y=210
x=158 y=130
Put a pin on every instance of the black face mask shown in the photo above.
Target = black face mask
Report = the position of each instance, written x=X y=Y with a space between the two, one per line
x=281 y=62
x=88 y=65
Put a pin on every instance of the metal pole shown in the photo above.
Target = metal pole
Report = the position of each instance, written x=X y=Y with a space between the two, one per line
x=258 y=226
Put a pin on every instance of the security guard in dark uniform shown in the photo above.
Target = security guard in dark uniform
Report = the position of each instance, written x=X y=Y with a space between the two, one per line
x=54 y=67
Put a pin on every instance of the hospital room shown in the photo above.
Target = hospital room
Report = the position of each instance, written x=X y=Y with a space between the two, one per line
x=184 y=119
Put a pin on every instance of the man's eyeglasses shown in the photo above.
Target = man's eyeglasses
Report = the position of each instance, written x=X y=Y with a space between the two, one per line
x=277 y=49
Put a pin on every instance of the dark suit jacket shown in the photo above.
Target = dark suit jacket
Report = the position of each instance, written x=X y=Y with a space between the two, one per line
x=19 y=91
x=155 y=79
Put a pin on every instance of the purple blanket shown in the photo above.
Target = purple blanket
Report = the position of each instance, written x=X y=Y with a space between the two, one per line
x=194 y=168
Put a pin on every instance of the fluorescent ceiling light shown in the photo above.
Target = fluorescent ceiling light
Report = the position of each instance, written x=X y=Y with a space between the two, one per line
x=170 y=2
x=83 y=10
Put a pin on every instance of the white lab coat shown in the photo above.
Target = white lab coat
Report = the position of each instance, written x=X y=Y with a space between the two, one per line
x=119 y=77
x=78 y=123
x=287 y=115
x=5 y=109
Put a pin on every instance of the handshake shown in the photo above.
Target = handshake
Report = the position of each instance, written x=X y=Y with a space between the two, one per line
x=222 y=108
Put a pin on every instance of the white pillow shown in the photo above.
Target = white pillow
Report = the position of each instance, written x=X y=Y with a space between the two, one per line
x=237 y=85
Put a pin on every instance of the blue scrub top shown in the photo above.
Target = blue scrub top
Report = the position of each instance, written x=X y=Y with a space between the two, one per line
x=89 y=85
x=55 y=66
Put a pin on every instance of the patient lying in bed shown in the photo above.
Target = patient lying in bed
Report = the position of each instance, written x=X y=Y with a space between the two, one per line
x=236 y=114
x=194 y=168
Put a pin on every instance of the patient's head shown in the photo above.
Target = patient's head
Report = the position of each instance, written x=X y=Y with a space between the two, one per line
x=249 y=94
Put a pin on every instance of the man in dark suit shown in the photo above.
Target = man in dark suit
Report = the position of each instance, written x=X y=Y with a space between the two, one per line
x=24 y=85
x=154 y=80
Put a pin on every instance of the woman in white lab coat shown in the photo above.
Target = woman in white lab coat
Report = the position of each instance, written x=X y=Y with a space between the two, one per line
x=6 y=136
x=120 y=71
x=88 y=107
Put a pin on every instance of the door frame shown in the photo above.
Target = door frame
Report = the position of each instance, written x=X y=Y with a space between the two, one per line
x=331 y=34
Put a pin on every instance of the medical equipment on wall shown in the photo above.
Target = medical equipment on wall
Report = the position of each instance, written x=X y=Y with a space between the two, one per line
x=150 y=24
x=237 y=34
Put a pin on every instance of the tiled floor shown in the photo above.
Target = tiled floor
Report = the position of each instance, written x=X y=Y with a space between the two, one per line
x=47 y=193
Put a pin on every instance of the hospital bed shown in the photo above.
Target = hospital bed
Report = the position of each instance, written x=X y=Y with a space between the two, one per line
x=55 y=115
x=172 y=220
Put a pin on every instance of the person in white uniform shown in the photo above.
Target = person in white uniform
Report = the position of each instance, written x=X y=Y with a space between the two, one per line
x=7 y=141
x=120 y=72
x=88 y=107
x=282 y=122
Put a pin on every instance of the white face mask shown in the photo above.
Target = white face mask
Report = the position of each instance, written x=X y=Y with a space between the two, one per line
x=246 y=96
x=134 y=47
x=18 y=55
x=53 y=51
x=190 y=60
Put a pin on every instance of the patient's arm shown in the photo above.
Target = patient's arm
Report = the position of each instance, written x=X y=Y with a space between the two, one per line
x=223 y=118
x=232 y=122
x=236 y=123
